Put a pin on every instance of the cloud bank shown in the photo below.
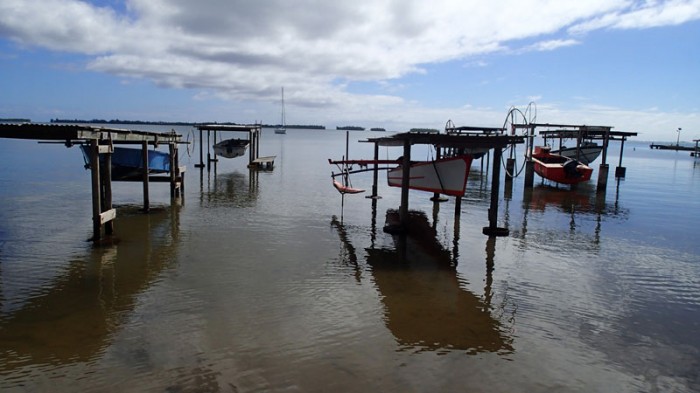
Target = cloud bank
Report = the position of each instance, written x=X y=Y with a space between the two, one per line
x=245 y=50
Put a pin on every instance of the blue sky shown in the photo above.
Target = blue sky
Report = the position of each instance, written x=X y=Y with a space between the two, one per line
x=395 y=64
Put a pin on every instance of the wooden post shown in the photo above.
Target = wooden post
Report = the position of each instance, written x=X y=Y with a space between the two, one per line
x=144 y=169
x=493 y=229
x=173 y=169
x=375 y=173
x=405 y=181
x=620 y=170
x=529 y=164
x=603 y=169
x=208 y=152
x=436 y=195
x=95 y=177
x=107 y=185
x=201 y=152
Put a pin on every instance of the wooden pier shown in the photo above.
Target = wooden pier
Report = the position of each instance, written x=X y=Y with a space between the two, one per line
x=484 y=138
x=671 y=147
x=101 y=142
x=253 y=131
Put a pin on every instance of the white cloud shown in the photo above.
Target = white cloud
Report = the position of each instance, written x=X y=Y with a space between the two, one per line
x=246 y=50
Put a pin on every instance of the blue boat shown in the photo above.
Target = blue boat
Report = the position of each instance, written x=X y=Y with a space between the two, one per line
x=127 y=163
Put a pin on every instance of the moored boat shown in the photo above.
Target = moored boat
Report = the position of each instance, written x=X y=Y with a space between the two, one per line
x=558 y=168
x=127 y=163
x=445 y=176
x=231 y=148
x=585 y=154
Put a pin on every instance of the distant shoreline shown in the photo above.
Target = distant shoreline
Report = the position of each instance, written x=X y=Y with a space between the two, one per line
x=174 y=123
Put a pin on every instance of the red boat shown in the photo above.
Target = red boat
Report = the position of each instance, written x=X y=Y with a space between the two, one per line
x=558 y=168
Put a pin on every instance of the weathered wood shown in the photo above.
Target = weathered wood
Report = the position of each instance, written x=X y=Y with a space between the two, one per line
x=95 y=180
x=405 y=181
x=144 y=163
x=108 y=216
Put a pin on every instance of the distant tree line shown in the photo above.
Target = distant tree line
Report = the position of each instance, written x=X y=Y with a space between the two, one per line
x=14 y=120
x=173 y=123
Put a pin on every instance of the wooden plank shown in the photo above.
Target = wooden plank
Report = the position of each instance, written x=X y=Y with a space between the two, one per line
x=107 y=216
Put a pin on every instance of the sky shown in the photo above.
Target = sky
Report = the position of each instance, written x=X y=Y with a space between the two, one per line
x=398 y=64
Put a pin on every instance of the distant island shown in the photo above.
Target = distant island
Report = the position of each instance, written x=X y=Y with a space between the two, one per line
x=350 y=128
x=431 y=130
x=175 y=123
x=14 y=120
x=377 y=129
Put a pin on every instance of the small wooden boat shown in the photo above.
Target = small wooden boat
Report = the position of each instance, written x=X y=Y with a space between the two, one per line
x=585 y=154
x=346 y=189
x=445 y=176
x=127 y=163
x=231 y=148
x=558 y=168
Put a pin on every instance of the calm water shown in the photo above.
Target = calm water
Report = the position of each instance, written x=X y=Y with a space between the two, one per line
x=260 y=282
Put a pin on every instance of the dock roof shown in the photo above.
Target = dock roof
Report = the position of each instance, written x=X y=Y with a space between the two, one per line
x=472 y=139
x=77 y=132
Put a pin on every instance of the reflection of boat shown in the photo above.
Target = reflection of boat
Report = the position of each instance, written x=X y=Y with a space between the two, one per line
x=586 y=153
x=446 y=176
x=282 y=128
x=426 y=306
x=127 y=163
x=559 y=168
x=231 y=148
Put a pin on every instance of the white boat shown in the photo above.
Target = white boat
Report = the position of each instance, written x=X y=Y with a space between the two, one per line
x=445 y=176
x=231 y=148
x=587 y=152
x=282 y=128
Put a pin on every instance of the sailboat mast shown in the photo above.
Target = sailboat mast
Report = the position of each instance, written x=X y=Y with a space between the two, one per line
x=283 y=114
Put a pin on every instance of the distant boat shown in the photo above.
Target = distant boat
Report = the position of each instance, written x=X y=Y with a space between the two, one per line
x=282 y=128
x=586 y=153
x=231 y=148
x=377 y=129
x=558 y=168
x=445 y=176
x=127 y=163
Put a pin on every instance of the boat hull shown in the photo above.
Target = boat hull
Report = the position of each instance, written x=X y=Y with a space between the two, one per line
x=586 y=154
x=560 y=169
x=231 y=148
x=127 y=163
x=445 y=176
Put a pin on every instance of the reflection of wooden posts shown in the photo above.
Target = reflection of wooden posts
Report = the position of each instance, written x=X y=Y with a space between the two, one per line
x=144 y=169
x=405 y=181
x=493 y=229
x=620 y=170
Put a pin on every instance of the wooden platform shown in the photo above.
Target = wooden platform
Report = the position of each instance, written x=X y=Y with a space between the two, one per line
x=264 y=163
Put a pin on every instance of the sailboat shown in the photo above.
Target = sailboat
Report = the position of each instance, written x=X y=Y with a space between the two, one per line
x=282 y=128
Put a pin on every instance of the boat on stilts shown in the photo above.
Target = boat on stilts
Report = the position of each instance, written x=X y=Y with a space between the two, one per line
x=445 y=176
x=558 y=168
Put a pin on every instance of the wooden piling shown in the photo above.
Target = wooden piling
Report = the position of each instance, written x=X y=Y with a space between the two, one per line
x=405 y=181
x=144 y=169
x=493 y=229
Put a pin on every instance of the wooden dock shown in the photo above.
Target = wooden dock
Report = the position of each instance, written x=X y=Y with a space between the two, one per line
x=101 y=143
x=263 y=163
x=253 y=131
x=672 y=147
x=472 y=138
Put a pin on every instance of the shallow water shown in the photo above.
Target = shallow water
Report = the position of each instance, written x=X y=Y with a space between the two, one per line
x=261 y=281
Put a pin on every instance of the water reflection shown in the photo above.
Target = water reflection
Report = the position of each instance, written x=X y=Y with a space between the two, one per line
x=578 y=208
x=233 y=189
x=426 y=307
x=75 y=316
